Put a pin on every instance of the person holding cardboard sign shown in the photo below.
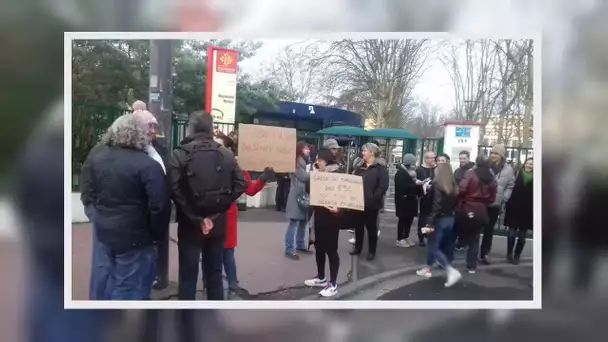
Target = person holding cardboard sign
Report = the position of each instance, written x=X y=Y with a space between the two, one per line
x=327 y=230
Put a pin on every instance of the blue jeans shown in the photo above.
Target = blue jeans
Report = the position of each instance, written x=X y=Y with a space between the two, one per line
x=189 y=254
x=443 y=232
x=295 y=228
x=98 y=282
x=131 y=273
x=230 y=268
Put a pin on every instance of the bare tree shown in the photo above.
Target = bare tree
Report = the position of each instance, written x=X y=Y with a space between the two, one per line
x=377 y=74
x=424 y=119
x=296 y=71
x=471 y=66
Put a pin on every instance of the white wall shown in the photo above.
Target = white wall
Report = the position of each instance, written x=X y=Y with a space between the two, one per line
x=452 y=145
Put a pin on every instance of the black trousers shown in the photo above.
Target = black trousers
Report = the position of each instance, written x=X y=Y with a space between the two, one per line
x=488 y=231
x=326 y=244
x=162 y=263
x=404 y=226
x=425 y=210
x=282 y=193
x=520 y=235
x=368 y=220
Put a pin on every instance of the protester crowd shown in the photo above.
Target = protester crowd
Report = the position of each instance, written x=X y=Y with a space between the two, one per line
x=128 y=189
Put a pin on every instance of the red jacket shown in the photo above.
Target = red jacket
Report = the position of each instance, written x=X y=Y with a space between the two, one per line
x=233 y=212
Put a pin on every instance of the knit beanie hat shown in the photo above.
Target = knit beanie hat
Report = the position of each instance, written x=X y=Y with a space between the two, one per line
x=409 y=159
x=499 y=149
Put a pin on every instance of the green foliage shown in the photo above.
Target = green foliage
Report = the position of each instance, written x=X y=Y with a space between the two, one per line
x=116 y=73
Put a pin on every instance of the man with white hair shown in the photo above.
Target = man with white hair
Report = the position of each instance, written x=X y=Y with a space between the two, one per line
x=159 y=153
x=129 y=222
x=139 y=105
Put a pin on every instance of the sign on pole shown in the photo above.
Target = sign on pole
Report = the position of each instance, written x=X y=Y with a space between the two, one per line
x=261 y=146
x=221 y=84
x=336 y=190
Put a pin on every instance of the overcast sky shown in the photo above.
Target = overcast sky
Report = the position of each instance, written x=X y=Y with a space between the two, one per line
x=434 y=87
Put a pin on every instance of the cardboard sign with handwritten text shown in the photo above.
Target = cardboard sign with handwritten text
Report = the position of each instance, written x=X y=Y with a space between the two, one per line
x=336 y=190
x=261 y=146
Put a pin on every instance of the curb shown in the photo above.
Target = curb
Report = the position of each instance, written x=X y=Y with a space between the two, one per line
x=367 y=282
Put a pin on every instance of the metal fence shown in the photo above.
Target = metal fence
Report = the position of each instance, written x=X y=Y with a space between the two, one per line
x=89 y=123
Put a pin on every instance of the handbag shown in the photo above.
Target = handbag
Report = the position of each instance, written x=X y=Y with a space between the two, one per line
x=303 y=201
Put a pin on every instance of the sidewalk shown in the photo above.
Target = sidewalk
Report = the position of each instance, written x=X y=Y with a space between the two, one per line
x=263 y=270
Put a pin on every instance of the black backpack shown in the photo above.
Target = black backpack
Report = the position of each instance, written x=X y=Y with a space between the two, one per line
x=208 y=178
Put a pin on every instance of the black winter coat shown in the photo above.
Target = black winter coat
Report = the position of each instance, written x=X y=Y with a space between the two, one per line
x=132 y=204
x=406 y=193
x=375 y=184
x=519 y=211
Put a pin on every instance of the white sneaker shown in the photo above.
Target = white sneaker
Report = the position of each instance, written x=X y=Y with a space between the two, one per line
x=453 y=277
x=402 y=243
x=351 y=240
x=471 y=271
x=410 y=243
x=424 y=272
x=316 y=282
x=329 y=291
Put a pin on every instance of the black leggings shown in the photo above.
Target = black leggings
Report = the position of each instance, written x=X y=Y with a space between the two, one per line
x=326 y=243
x=404 y=226
x=367 y=220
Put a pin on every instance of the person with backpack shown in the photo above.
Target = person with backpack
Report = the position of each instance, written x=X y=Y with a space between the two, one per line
x=205 y=181
x=477 y=191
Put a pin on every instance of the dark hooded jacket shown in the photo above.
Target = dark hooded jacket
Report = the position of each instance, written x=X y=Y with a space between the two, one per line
x=375 y=183
x=477 y=191
x=459 y=173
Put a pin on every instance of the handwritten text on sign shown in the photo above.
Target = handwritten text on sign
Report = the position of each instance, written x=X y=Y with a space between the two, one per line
x=336 y=190
x=261 y=146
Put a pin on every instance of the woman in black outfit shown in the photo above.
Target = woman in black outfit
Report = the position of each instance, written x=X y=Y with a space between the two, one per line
x=406 y=199
x=327 y=229
x=519 y=212
x=375 y=184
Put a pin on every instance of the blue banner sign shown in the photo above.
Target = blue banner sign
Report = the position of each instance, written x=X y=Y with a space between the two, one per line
x=463 y=132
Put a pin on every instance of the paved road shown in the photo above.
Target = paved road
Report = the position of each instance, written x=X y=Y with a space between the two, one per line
x=262 y=268
x=512 y=283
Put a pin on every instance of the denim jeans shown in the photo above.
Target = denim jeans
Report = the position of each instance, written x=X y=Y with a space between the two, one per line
x=100 y=278
x=131 y=273
x=230 y=268
x=443 y=228
x=189 y=254
x=295 y=228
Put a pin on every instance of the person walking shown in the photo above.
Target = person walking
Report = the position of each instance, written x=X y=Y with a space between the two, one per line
x=327 y=224
x=477 y=190
x=505 y=180
x=424 y=174
x=297 y=210
x=406 y=199
x=375 y=185
x=444 y=194
x=253 y=188
x=519 y=213
x=205 y=182
x=132 y=209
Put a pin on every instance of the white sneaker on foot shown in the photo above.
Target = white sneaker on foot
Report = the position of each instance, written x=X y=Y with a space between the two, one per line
x=329 y=291
x=453 y=277
x=316 y=282
x=351 y=240
x=424 y=272
x=402 y=243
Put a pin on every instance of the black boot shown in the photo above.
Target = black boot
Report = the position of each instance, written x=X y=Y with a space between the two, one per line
x=421 y=242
